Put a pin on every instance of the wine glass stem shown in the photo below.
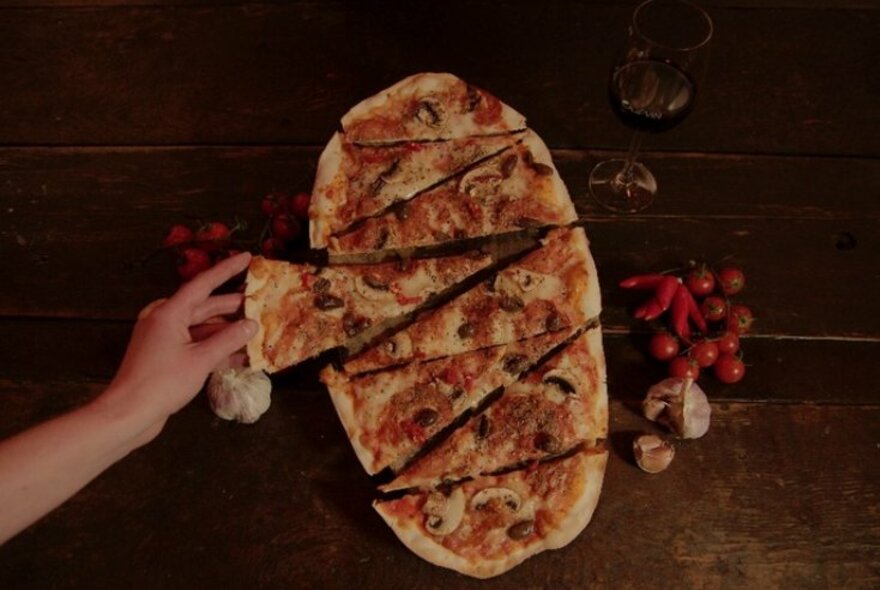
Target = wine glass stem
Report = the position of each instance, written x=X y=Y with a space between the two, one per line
x=626 y=175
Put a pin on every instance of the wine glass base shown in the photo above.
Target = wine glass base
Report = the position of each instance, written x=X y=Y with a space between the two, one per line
x=620 y=195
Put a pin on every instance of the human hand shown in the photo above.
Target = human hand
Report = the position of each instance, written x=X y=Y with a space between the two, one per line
x=170 y=354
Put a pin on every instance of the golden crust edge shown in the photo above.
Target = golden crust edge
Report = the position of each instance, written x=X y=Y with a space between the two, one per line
x=321 y=208
x=341 y=392
x=541 y=152
x=577 y=519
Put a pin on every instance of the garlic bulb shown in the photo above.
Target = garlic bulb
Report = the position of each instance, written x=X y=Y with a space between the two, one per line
x=239 y=394
x=652 y=453
x=680 y=405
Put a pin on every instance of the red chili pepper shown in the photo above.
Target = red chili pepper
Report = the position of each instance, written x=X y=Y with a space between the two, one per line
x=695 y=314
x=648 y=310
x=642 y=281
x=665 y=290
x=680 y=313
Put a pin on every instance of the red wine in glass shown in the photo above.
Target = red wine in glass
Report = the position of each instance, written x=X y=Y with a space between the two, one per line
x=652 y=88
x=651 y=95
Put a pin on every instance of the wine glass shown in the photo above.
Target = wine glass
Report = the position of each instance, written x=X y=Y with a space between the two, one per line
x=652 y=88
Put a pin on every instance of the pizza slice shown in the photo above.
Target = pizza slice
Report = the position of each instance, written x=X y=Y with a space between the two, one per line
x=303 y=310
x=389 y=415
x=553 y=288
x=556 y=407
x=516 y=189
x=355 y=182
x=486 y=526
x=428 y=107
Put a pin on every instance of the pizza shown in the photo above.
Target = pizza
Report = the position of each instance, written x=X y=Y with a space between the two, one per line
x=488 y=525
x=390 y=415
x=355 y=182
x=483 y=409
x=429 y=107
x=557 y=407
x=303 y=310
x=516 y=189
x=550 y=289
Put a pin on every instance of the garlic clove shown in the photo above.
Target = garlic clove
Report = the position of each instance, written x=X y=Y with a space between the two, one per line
x=652 y=453
x=680 y=405
x=240 y=394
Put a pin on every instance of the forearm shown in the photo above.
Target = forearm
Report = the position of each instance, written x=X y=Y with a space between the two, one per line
x=44 y=466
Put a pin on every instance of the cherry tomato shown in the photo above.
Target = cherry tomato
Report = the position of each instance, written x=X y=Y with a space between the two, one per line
x=299 y=205
x=700 y=281
x=704 y=353
x=177 y=235
x=272 y=248
x=191 y=262
x=285 y=227
x=663 y=346
x=729 y=369
x=272 y=203
x=683 y=367
x=732 y=280
x=740 y=319
x=213 y=236
x=728 y=343
x=714 y=308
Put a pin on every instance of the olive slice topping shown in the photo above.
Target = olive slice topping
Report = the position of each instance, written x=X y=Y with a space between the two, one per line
x=426 y=417
x=514 y=363
x=508 y=164
x=484 y=427
x=466 y=330
x=430 y=112
x=353 y=325
x=322 y=285
x=521 y=530
x=562 y=383
x=511 y=303
x=555 y=322
x=544 y=441
x=326 y=301
x=542 y=169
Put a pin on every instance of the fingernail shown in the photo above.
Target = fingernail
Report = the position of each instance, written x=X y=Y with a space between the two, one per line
x=250 y=327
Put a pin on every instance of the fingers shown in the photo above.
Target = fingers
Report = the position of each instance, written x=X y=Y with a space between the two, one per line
x=216 y=305
x=151 y=307
x=198 y=289
x=220 y=346
x=236 y=360
x=206 y=330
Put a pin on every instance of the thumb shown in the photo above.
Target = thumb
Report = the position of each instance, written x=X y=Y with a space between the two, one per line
x=216 y=349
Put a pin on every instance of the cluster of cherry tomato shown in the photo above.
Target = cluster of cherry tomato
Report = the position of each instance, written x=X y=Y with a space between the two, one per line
x=701 y=300
x=200 y=248
x=287 y=215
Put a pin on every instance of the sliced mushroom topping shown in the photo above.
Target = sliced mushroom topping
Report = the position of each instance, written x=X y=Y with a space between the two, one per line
x=443 y=513
x=521 y=530
x=322 y=285
x=562 y=380
x=371 y=287
x=555 y=322
x=326 y=302
x=384 y=178
x=499 y=496
x=473 y=98
x=354 y=325
x=430 y=112
x=542 y=169
x=544 y=441
x=480 y=182
x=525 y=280
x=374 y=281
x=508 y=164
x=399 y=346
x=511 y=303
x=484 y=427
x=466 y=330
x=514 y=363
x=426 y=417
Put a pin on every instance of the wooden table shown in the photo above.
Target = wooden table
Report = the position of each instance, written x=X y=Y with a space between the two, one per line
x=120 y=117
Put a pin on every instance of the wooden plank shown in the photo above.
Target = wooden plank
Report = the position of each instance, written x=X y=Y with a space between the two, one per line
x=75 y=225
x=286 y=73
x=774 y=495
x=817 y=371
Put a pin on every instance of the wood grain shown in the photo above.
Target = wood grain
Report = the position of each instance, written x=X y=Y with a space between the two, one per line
x=75 y=225
x=276 y=73
x=767 y=498
x=786 y=370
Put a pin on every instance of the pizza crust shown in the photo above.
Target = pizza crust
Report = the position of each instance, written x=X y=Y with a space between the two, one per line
x=322 y=208
x=591 y=466
x=340 y=393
